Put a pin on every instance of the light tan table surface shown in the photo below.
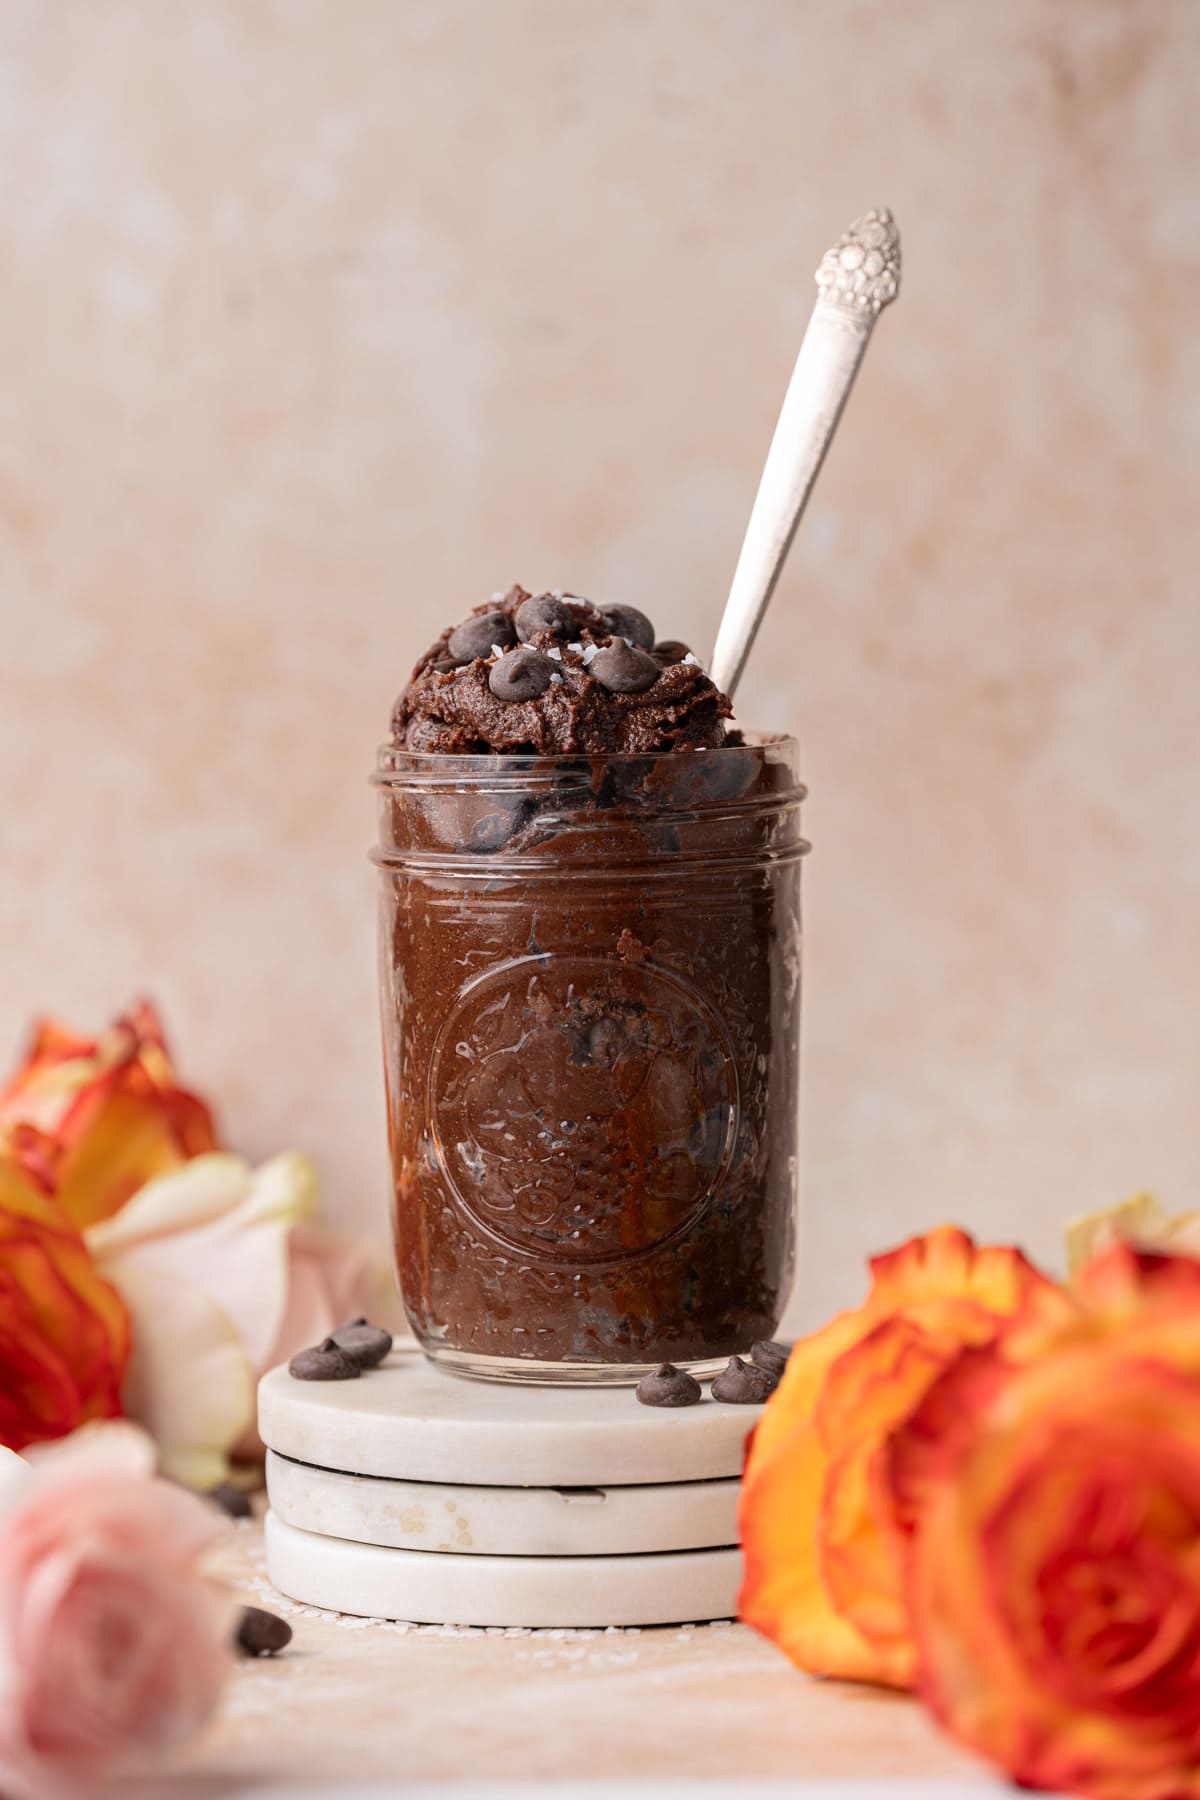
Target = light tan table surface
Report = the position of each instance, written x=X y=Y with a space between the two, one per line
x=354 y=1705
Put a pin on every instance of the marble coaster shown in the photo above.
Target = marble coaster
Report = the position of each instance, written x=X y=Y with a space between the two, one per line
x=677 y=1587
x=503 y=1521
x=410 y=1421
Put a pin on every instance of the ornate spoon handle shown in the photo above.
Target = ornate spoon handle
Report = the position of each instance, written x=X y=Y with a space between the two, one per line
x=856 y=280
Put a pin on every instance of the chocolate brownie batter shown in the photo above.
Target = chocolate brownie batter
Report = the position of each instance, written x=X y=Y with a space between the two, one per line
x=591 y=1002
x=549 y=674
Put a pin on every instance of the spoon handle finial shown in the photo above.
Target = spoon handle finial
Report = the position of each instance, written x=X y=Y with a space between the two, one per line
x=855 y=281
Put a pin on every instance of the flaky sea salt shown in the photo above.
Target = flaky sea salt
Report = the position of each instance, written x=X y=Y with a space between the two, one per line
x=554 y=653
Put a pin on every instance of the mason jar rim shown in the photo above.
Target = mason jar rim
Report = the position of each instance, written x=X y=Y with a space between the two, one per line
x=395 y=765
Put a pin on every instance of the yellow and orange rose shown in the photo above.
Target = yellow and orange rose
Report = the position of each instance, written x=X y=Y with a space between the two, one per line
x=1053 y=1576
x=64 y=1332
x=109 y=1108
x=824 y=1536
x=220 y=1266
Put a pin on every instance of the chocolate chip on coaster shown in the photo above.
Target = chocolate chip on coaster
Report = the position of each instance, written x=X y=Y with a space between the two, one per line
x=365 y=1344
x=323 y=1362
x=623 y=670
x=475 y=637
x=261 y=1633
x=521 y=675
x=232 y=1500
x=769 y=1355
x=743 y=1384
x=544 y=612
x=668 y=1386
x=628 y=622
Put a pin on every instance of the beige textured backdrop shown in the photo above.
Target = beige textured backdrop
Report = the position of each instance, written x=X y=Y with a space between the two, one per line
x=321 y=319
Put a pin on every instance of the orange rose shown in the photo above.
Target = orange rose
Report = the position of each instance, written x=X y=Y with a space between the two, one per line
x=111 y=1109
x=823 y=1537
x=64 y=1333
x=1054 y=1571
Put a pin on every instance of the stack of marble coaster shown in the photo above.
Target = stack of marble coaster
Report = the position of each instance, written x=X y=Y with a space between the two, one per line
x=414 y=1494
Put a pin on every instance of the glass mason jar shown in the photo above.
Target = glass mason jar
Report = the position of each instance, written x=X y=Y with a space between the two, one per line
x=591 y=1010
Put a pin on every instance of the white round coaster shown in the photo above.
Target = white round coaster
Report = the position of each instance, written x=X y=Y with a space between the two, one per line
x=414 y=1422
x=678 y=1587
x=498 y=1521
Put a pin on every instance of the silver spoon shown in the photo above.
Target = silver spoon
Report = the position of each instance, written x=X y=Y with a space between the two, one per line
x=856 y=280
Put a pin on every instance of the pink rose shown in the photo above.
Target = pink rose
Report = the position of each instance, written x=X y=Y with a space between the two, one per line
x=111 y=1640
x=331 y=1278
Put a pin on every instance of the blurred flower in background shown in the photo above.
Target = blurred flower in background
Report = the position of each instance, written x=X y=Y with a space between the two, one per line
x=109 y=1110
x=114 y=1641
x=1139 y=1220
x=64 y=1330
x=152 y=1270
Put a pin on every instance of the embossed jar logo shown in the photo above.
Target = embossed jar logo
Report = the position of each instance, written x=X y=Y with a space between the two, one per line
x=583 y=1107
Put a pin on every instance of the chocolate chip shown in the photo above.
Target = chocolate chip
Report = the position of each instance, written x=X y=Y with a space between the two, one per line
x=671 y=650
x=545 y=612
x=743 y=1384
x=771 y=1356
x=232 y=1500
x=261 y=1633
x=475 y=636
x=364 y=1344
x=445 y=667
x=668 y=1386
x=623 y=670
x=628 y=622
x=521 y=675
x=323 y=1362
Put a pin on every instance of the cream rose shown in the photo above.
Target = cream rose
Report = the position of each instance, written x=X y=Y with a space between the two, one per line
x=224 y=1274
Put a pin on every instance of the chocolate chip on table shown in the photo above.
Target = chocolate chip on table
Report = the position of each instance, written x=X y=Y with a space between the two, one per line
x=544 y=612
x=671 y=650
x=261 y=1633
x=364 y=1344
x=743 y=1384
x=323 y=1362
x=475 y=636
x=624 y=670
x=232 y=1500
x=628 y=622
x=521 y=675
x=668 y=1386
x=769 y=1355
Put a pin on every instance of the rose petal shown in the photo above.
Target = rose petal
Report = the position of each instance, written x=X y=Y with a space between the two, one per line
x=1054 y=1499
x=223 y=1227
x=190 y=1380
x=112 y=1108
x=110 y=1638
x=330 y=1279
x=823 y=1532
x=64 y=1330
x=201 y=1191
x=782 y=1594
